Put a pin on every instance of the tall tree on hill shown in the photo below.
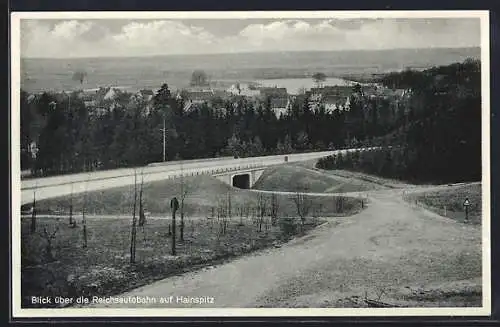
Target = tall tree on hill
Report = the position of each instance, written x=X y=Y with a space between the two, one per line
x=199 y=78
x=79 y=76
x=319 y=78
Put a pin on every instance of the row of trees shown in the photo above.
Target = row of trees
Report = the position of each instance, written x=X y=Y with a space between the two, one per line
x=440 y=121
x=441 y=139
x=70 y=139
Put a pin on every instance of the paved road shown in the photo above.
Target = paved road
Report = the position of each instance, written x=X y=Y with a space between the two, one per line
x=50 y=187
x=415 y=257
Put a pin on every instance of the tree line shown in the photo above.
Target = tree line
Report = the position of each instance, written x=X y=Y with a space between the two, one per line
x=439 y=139
x=439 y=121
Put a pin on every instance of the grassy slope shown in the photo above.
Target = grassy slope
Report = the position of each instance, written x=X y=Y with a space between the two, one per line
x=205 y=192
x=103 y=267
x=453 y=197
x=294 y=177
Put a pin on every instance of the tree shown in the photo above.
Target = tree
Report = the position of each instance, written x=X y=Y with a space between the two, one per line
x=319 y=78
x=261 y=209
x=234 y=146
x=133 y=234
x=184 y=193
x=79 y=76
x=174 y=205
x=199 y=78
x=33 y=213
x=72 y=222
x=49 y=237
x=303 y=204
x=274 y=209
x=84 y=219
x=357 y=89
x=142 y=215
x=302 y=141
x=287 y=144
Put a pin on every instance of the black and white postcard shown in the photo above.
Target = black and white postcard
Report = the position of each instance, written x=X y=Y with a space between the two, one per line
x=290 y=163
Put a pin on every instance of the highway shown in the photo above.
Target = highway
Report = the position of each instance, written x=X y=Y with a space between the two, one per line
x=55 y=186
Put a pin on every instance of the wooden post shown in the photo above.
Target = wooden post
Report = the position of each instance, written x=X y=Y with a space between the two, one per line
x=174 y=205
x=466 y=205
x=33 y=214
x=71 y=207
x=134 y=223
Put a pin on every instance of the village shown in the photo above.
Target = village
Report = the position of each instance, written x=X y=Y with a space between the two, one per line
x=214 y=95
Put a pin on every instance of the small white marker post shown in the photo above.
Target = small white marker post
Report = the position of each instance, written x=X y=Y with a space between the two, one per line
x=466 y=206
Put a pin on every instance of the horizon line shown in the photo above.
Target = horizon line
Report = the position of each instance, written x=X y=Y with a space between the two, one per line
x=247 y=52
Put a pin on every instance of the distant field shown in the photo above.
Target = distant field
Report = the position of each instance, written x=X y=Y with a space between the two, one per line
x=205 y=193
x=295 y=177
x=103 y=267
x=137 y=73
x=372 y=180
x=453 y=198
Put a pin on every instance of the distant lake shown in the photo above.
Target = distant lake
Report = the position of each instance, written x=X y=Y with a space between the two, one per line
x=293 y=85
x=151 y=72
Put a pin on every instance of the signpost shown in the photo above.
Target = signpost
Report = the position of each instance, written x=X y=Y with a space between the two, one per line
x=33 y=149
x=466 y=206
x=174 y=205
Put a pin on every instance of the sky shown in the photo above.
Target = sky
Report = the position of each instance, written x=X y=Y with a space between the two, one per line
x=42 y=38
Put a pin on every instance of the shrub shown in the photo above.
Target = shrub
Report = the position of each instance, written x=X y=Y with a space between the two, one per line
x=288 y=227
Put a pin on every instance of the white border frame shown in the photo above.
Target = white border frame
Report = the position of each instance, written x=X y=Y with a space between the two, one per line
x=18 y=312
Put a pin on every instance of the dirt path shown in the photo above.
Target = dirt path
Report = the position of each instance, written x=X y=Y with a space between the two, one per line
x=389 y=252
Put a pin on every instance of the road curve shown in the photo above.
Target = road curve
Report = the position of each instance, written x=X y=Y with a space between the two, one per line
x=389 y=246
x=50 y=187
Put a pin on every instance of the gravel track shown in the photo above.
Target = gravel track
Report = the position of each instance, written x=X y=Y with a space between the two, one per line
x=409 y=256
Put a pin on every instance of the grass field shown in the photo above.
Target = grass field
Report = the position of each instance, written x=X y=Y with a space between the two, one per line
x=176 y=70
x=103 y=267
x=297 y=176
x=374 y=181
x=204 y=193
x=453 y=198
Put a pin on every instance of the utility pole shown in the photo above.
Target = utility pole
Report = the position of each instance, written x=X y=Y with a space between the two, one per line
x=164 y=139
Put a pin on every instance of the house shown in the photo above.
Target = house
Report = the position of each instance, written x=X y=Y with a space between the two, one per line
x=243 y=89
x=199 y=96
x=89 y=97
x=223 y=94
x=333 y=102
x=270 y=92
x=111 y=93
x=370 y=91
x=32 y=98
x=280 y=105
x=339 y=90
x=147 y=95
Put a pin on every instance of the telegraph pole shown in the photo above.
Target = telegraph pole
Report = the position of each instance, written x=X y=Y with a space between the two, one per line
x=164 y=138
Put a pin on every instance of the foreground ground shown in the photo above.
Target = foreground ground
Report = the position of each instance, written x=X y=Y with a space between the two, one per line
x=389 y=253
x=393 y=253
x=103 y=267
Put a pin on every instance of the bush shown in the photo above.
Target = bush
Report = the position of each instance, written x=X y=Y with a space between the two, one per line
x=288 y=227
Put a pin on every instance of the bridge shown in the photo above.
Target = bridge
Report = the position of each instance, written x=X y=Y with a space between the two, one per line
x=244 y=178
x=238 y=172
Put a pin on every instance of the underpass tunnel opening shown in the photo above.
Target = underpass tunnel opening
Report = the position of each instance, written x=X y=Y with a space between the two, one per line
x=241 y=181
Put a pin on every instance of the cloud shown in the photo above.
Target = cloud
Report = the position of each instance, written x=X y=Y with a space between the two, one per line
x=83 y=38
x=65 y=39
x=162 y=37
